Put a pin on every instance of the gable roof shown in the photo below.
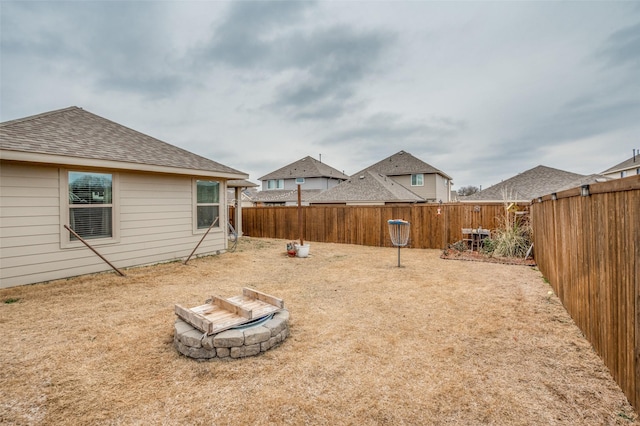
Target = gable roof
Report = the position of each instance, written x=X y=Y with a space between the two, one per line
x=585 y=180
x=367 y=187
x=285 y=195
x=631 y=163
x=241 y=183
x=306 y=167
x=73 y=136
x=402 y=163
x=526 y=186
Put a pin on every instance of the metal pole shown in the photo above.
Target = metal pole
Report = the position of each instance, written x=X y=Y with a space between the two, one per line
x=300 y=227
x=94 y=250
x=201 y=239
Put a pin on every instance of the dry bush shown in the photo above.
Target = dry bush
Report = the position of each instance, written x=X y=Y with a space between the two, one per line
x=433 y=342
x=511 y=239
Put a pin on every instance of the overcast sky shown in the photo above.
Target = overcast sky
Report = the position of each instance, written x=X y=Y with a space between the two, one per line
x=479 y=90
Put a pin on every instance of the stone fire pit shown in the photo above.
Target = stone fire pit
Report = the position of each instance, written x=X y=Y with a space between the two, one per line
x=238 y=327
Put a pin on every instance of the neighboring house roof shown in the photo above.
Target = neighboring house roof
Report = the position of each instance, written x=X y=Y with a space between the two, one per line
x=242 y=183
x=402 y=163
x=631 y=163
x=306 y=167
x=284 y=195
x=74 y=136
x=246 y=194
x=368 y=186
x=526 y=186
x=249 y=194
x=585 y=180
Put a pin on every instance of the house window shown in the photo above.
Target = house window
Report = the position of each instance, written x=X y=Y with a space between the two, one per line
x=207 y=203
x=90 y=204
x=417 y=179
x=275 y=184
x=300 y=181
x=446 y=182
x=623 y=173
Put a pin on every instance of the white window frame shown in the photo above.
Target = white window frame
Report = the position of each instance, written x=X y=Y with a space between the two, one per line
x=221 y=212
x=65 y=236
x=273 y=184
x=417 y=179
x=299 y=181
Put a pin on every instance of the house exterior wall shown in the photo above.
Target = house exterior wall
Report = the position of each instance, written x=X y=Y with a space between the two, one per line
x=443 y=188
x=630 y=171
x=435 y=188
x=155 y=216
x=405 y=180
x=426 y=191
x=312 y=183
x=309 y=183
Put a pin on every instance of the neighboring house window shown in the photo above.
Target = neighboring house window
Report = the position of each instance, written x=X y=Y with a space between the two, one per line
x=275 y=184
x=417 y=179
x=300 y=180
x=207 y=203
x=638 y=171
x=90 y=205
x=446 y=182
x=623 y=173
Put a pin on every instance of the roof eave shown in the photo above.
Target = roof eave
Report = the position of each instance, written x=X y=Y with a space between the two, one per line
x=60 y=160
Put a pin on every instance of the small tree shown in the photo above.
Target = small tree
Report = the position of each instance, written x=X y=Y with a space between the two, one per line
x=468 y=190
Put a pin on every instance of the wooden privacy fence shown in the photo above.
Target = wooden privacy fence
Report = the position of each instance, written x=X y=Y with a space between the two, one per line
x=588 y=247
x=433 y=226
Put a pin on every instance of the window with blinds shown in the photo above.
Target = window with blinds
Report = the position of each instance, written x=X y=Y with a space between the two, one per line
x=207 y=203
x=91 y=204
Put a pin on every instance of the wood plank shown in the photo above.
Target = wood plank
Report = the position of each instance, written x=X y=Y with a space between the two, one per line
x=255 y=294
x=232 y=306
x=258 y=307
x=193 y=318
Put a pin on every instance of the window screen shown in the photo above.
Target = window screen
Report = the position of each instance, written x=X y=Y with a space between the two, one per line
x=208 y=203
x=91 y=205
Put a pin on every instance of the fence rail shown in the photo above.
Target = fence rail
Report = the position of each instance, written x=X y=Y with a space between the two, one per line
x=433 y=226
x=588 y=247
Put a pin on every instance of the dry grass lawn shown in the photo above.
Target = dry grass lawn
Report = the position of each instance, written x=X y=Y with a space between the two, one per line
x=433 y=342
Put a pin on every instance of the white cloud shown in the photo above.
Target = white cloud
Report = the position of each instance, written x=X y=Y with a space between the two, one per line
x=479 y=90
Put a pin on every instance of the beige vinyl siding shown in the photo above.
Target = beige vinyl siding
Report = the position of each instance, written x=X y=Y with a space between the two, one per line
x=427 y=191
x=443 y=188
x=155 y=218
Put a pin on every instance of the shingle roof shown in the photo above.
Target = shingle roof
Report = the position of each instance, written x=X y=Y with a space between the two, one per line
x=585 y=180
x=367 y=187
x=74 y=132
x=625 y=165
x=526 y=186
x=285 y=195
x=402 y=163
x=306 y=167
x=240 y=183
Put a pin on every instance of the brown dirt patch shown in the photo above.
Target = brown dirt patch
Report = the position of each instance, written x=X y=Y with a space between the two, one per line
x=432 y=342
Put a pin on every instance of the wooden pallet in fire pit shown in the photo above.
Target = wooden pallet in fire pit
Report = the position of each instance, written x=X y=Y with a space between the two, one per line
x=222 y=314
